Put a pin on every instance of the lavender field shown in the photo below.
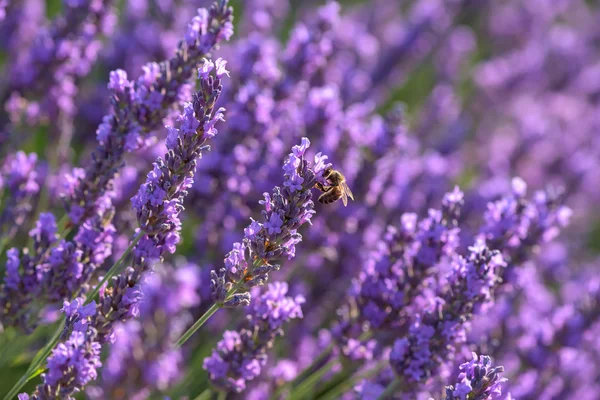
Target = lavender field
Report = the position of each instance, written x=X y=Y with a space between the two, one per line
x=286 y=199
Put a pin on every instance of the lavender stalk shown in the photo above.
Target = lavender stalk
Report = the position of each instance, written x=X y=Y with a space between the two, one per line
x=285 y=211
x=158 y=204
x=139 y=107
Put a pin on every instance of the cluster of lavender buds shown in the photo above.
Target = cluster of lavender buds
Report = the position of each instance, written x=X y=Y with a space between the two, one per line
x=285 y=210
x=477 y=380
x=387 y=290
x=440 y=326
x=240 y=356
x=56 y=270
x=136 y=264
x=23 y=276
x=74 y=362
x=516 y=225
x=20 y=177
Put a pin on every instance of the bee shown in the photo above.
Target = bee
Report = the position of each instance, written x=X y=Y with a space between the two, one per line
x=337 y=189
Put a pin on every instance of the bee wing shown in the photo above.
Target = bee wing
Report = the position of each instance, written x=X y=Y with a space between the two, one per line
x=347 y=190
x=344 y=198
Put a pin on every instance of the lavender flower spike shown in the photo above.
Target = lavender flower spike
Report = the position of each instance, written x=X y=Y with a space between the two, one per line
x=24 y=276
x=442 y=325
x=159 y=201
x=285 y=211
x=240 y=355
x=385 y=294
x=478 y=380
x=73 y=363
x=158 y=204
x=20 y=176
x=140 y=107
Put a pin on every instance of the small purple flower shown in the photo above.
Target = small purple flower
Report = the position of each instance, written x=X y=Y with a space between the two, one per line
x=118 y=81
x=273 y=225
x=220 y=67
x=477 y=380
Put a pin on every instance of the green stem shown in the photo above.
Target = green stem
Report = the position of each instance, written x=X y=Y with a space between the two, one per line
x=37 y=361
x=302 y=391
x=197 y=325
x=3 y=243
x=62 y=225
x=205 y=395
x=209 y=313
x=113 y=270
x=222 y=396
x=391 y=389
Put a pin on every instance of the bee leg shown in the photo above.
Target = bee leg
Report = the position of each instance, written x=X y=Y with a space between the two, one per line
x=321 y=187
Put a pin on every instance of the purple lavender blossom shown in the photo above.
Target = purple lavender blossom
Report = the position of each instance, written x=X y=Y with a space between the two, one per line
x=52 y=276
x=139 y=107
x=240 y=355
x=516 y=225
x=74 y=362
x=440 y=327
x=24 y=275
x=159 y=201
x=396 y=274
x=285 y=210
x=71 y=264
x=478 y=380
x=20 y=177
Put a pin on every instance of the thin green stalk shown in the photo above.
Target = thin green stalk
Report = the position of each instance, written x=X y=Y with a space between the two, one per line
x=197 y=325
x=113 y=270
x=3 y=243
x=205 y=395
x=209 y=313
x=391 y=389
x=343 y=387
x=302 y=391
x=37 y=361
x=62 y=225
x=222 y=396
